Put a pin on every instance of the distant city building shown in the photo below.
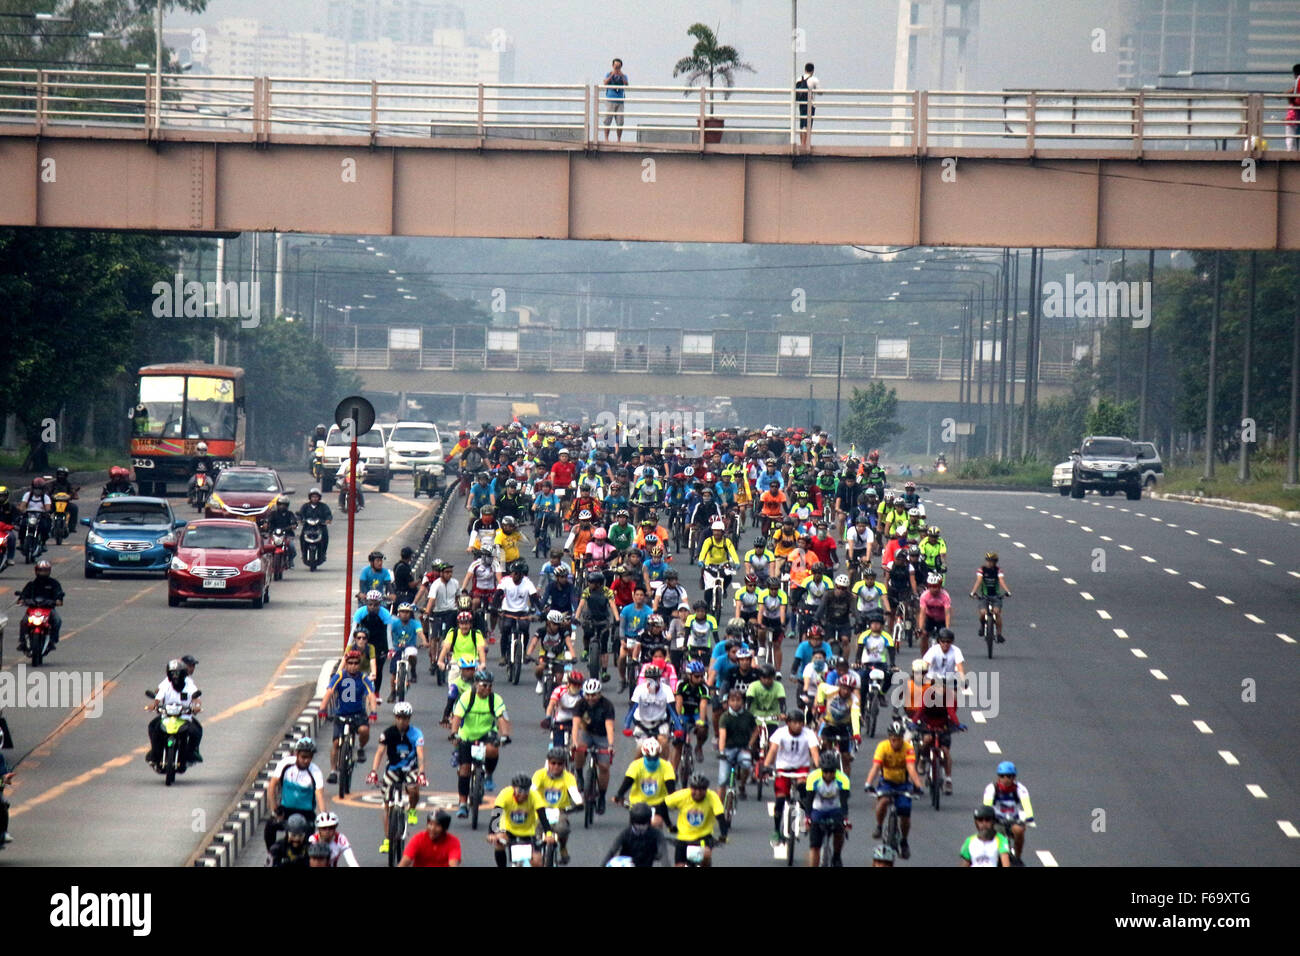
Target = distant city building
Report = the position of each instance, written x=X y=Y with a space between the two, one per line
x=1203 y=36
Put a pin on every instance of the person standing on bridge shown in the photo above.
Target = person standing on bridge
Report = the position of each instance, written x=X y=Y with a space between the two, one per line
x=1293 y=114
x=616 y=82
x=804 y=90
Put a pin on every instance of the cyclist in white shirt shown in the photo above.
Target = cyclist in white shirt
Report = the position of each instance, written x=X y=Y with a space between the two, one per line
x=518 y=599
x=945 y=659
x=652 y=702
x=985 y=847
x=327 y=832
x=791 y=749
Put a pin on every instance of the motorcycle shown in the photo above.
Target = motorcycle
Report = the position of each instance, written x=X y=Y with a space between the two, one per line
x=201 y=491
x=177 y=740
x=313 y=543
x=5 y=530
x=62 y=514
x=941 y=464
x=345 y=489
x=280 y=557
x=37 y=628
x=32 y=543
x=318 y=462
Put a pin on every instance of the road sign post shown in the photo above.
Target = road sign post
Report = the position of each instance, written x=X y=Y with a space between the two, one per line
x=355 y=416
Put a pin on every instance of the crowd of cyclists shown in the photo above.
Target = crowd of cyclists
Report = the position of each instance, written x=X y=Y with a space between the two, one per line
x=645 y=593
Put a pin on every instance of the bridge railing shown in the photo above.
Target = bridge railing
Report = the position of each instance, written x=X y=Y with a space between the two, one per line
x=1122 y=122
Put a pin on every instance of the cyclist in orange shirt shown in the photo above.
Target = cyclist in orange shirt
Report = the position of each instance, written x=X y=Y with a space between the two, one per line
x=772 y=503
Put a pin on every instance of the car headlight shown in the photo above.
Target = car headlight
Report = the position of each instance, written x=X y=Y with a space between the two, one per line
x=179 y=565
x=253 y=566
x=216 y=501
x=94 y=538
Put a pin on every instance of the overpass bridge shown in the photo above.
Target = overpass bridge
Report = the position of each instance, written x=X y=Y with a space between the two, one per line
x=687 y=363
x=217 y=154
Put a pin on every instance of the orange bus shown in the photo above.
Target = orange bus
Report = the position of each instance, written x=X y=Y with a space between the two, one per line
x=180 y=405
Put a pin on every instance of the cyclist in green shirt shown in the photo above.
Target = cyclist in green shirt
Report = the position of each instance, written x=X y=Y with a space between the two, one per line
x=621 y=533
x=475 y=717
x=459 y=686
x=463 y=641
x=765 y=698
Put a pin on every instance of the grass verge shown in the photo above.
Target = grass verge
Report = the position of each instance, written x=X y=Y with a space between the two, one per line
x=1264 y=487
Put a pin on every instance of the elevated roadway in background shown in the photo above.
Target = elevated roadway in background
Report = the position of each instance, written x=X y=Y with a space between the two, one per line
x=1084 y=169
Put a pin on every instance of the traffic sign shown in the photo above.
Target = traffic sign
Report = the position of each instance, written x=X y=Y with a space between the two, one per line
x=355 y=416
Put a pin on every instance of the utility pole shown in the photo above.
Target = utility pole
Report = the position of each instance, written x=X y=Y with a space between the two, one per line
x=1002 y=359
x=1243 y=470
x=839 y=375
x=1211 y=391
x=1146 y=354
x=1015 y=331
x=1292 y=462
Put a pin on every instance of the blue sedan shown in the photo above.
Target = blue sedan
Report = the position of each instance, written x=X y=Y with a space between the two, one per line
x=127 y=534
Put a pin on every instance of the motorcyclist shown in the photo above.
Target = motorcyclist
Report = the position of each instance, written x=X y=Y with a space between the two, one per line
x=177 y=687
x=9 y=515
x=63 y=485
x=343 y=475
x=316 y=508
x=282 y=519
x=42 y=587
x=37 y=499
x=119 y=482
x=205 y=463
x=6 y=778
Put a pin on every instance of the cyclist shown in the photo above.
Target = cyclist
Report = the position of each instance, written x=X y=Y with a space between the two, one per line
x=704 y=514
x=508 y=539
x=434 y=845
x=649 y=779
x=791 y=749
x=546 y=514
x=297 y=787
x=559 y=791
x=746 y=602
x=621 y=533
x=1009 y=800
x=934 y=552
x=519 y=819
x=765 y=699
x=438 y=597
x=701 y=630
x=871 y=599
x=986 y=846
x=946 y=659
x=459 y=686
x=559 y=594
x=841 y=714
x=826 y=801
x=404 y=632
x=559 y=709
x=632 y=623
x=835 y=613
x=717 y=550
x=376 y=577
x=737 y=736
x=823 y=545
x=937 y=716
x=814 y=589
x=875 y=649
x=640 y=842
x=991 y=583
x=403 y=745
x=551 y=569
x=292 y=850
x=553 y=641
x=593 y=726
x=463 y=641
x=596 y=612
x=858 y=541
x=336 y=844
x=518 y=599
x=692 y=698
x=481 y=578
x=651 y=712
x=698 y=809
x=894 y=766
x=478 y=716
x=936 y=609
x=671 y=596
x=910 y=498
x=784 y=540
x=355 y=697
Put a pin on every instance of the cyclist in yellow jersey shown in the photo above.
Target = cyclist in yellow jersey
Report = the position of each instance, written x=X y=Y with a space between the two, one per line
x=894 y=765
x=717 y=549
x=650 y=780
x=559 y=789
x=508 y=540
x=841 y=717
x=463 y=641
x=698 y=809
x=519 y=819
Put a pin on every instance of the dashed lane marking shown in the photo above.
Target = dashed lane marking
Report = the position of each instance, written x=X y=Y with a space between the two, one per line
x=1159 y=675
x=1229 y=758
x=1179 y=699
x=1197 y=584
x=1121 y=633
x=1202 y=726
x=1046 y=858
x=1254 y=620
x=992 y=746
x=1255 y=790
x=1225 y=600
x=1288 y=640
x=1103 y=614
x=1138 y=653
x=1289 y=828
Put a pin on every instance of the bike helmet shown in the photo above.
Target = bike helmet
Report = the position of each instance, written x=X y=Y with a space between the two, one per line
x=467 y=663
x=695 y=667
x=933 y=531
x=815 y=630
x=909 y=486
x=845 y=681
x=403 y=709
x=326 y=820
x=651 y=540
x=201 y=448
x=920 y=666
x=744 y=654
x=654 y=620
x=913 y=550
x=305 y=745
x=573 y=676
x=584 y=515
x=352 y=657
x=593 y=686
x=895 y=729
x=671 y=574
x=841 y=580
x=932 y=579
x=914 y=512
x=868 y=573
x=519 y=567
x=640 y=815
x=767 y=670
x=985 y=813
x=595 y=577
x=558 y=754
x=651 y=673
x=487 y=510
x=464 y=617
x=521 y=781
x=406 y=606
x=871 y=493
x=946 y=634
x=1006 y=768
x=508 y=522
x=717 y=526
x=314 y=491
x=884 y=853
x=297 y=825
x=600 y=534
x=373 y=595
x=829 y=763
x=699 y=782
x=991 y=556
x=751 y=578
x=483 y=677
x=650 y=747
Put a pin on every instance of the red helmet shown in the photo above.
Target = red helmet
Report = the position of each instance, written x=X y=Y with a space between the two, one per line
x=464 y=617
x=599 y=534
x=814 y=630
x=875 y=453
x=38 y=483
x=117 y=471
x=845 y=681
x=464 y=435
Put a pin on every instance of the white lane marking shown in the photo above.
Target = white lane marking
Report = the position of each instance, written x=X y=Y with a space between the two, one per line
x=962 y=513
x=1111 y=507
x=1046 y=858
x=1070 y=521
x=1069 y=580
x=977 y=716
x=1003 y=534
x=1225 y=600
x=1086 y=528
x=1154 y=518
x=1106 y=537
x=1139 y=514
x=1265 y=561
x=1229 y=758
x=1189 y=531
x=1294 y=574
x=1124 y=510
x=1121 y=633
x=1170 y=524
x=1159 y=675
x=1148 y=559
x=1138 y=653
x=1085 y=595
x=1051 y=567
x=1035 y=555
x=1254 y=620
x=1202 y=726
x=1214 y=541
x=1029 y=507
x=1060 y=517
x=992 y=746
x=989 y=526
x=1125 y=547
x=1255 y=790
x=1289 y=640
x=1179 y=699
x=1238 y=551
x=1289 y=828
x=1197 y=584
x=1170 y=571
x=976 y=518
x=1104 y=615
x=1018 y=544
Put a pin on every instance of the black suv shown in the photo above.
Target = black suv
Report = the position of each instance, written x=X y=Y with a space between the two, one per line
x=1106 y=464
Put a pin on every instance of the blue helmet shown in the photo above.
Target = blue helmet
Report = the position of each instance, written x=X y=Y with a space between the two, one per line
x=695 y=667
x=1007 y=767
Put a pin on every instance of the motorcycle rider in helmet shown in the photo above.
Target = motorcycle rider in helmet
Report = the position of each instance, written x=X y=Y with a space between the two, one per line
x=37 y=498
x=8 y=515
x=280 y=518
x=318 y=509
x=44 y=585
x=63 y=485
x=202 y=462
x=119 y=482
x=176 y=687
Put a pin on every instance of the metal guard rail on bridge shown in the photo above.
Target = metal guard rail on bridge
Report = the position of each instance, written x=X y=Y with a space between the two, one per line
x=572 y=116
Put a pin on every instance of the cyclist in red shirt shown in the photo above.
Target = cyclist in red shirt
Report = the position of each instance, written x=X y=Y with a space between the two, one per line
x=434 y=846
x=823 y=545
x=564 y=470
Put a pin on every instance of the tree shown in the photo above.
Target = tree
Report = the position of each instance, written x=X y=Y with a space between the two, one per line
x=1112 y=418
x=710 y=59
x=872 y=418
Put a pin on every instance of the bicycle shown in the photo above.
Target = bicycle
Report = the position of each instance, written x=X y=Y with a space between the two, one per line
x=542 y=533
x=397 y=801
x=934 y=776
x=595 y=638
x=875 y=681
x=591 y=783
x=988 y=627
x=732 y=792
x=891 y=833
x=514 y=628
x=405 y=672
x=827 y=856
x=904 y=624
x=477 y=776
x=795 y=821
x=348 y=751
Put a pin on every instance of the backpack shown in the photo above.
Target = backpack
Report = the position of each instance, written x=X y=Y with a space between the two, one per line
x=801 y=84
x=492 y=705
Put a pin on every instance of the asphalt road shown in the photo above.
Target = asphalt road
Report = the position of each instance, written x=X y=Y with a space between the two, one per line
x=1166 y=746
x=83 y=793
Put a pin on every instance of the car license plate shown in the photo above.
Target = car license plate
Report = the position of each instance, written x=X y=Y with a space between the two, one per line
x=1108 y=474
x=127 y=556
x=215 y=583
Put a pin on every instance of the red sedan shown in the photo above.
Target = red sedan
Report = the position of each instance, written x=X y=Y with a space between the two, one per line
x=222 y=558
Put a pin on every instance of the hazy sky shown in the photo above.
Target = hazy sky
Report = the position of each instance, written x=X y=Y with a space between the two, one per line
x=1044 y=44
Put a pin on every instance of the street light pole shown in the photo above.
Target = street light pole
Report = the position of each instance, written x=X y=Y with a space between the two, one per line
x=1211 y=391
x=1243 y=471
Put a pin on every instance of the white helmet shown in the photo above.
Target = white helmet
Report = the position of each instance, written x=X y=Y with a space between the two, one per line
x=403 y=709
x=326 y=820
x=920 y=509
x=555 y=617
x=201 y=448
x=841 y=580
x=915 y=513
x=650 y=747
x=373 y=595
x=933 y=578
x=718 y=526
x=592 y=686
x=920 y=666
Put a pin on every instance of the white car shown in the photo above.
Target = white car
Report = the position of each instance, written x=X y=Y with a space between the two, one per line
x=413 y=443
x=370 y=450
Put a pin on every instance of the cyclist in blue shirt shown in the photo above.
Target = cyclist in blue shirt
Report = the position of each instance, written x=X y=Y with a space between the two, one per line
x=632 y=622
x=376 y=577
x=402 y=745
x=354 y=697
x=405 y=631
x=376 y=620
x=726 y=491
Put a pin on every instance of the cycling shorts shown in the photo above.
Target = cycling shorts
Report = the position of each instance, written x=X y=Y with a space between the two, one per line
x=903 y=798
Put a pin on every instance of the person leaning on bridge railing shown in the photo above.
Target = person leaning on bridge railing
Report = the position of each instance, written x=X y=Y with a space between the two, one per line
x=615 y=82
x=1293 y=114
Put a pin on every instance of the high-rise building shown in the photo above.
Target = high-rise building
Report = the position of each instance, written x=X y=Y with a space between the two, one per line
x=402 y=21
x=1225 y=44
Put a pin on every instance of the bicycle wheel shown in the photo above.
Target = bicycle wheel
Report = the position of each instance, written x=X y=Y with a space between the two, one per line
x=548 y=855
x=475 y=796
x=401 y=680
x=989 y=630
x=687 y=763
x=936 y=778
x=346 y=761
x=729 y=801
x=873 y=711
x=516 y=657
x=791 y=830
x=396 y=832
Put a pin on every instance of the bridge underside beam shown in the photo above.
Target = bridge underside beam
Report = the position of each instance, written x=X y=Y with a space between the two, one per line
x=691 y=386
x=1162 y=201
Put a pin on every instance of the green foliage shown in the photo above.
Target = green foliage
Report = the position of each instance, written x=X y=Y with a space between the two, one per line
x=710 y=59
x=1011 y=471
x=1113 y=418
x=873 y=417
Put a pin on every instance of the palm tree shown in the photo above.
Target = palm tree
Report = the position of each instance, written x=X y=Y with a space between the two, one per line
x=708 y=60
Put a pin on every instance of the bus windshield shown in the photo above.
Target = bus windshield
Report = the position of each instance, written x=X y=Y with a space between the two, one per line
x=211 y=408
x=163 y=398
x=195 y=407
